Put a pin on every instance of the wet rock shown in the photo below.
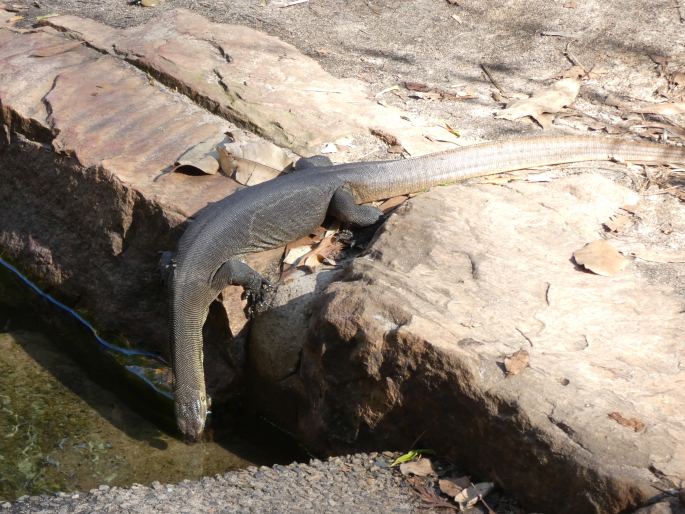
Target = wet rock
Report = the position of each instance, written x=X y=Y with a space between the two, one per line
x=410 y=344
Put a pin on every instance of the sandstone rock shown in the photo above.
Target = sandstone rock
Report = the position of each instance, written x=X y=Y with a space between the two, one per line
x=410 y=344
x=85 y=205
x=258 y=81
x=672 y=506
x=276 y=340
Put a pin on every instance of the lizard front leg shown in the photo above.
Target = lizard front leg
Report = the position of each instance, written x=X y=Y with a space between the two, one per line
x=237 y=273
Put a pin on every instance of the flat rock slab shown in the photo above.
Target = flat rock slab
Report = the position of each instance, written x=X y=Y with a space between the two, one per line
x=258 y=81
x=411 y=343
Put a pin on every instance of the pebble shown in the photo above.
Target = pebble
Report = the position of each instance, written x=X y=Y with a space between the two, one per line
x=341 y=484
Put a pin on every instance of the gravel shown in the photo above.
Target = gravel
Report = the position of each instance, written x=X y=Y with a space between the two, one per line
x=361 y=483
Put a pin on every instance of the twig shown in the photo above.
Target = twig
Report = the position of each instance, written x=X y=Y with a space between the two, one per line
x=572 y=58
x=681 y=10
x=492 y=80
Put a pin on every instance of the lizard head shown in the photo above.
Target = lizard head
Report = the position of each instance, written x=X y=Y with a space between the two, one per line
x=192 y=407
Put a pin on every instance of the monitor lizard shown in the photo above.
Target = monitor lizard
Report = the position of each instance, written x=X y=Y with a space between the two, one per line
x=211 y=252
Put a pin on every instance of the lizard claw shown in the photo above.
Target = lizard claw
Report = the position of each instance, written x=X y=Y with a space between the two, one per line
x=258 y=299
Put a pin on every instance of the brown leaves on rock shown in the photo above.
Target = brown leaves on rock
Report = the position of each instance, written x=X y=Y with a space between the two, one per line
x=393 y=143
x=601 y=258
x=429 y=498
x=253 y=162
x=452 y=486
x=473 y=494
x=312 y=252
x=543 y=102
x=634 y=423
x=516 y=362
x=203 y=158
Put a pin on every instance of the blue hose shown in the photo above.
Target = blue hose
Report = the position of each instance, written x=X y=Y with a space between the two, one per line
x=105 y=344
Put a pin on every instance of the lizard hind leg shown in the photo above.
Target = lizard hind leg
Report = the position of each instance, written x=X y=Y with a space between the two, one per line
x=234 y=272
x=343 y=208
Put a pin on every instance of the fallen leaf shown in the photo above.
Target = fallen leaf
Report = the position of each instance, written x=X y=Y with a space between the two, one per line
x=666 y=109
x=617 y=222
x=261 y=152
x=393 y=203
x=601 y=258
x=549 y=100
x=254 y=162
x=452 y=131
x=388 y=139
x=202 y=157
x=470 y=496
x=429 y=498
x=634 y=423
x=422 y=468
x=323 y=252
x=678 y=79
x=294 y=254
x=516 y=362
x=570 y=5
x=452 y=486
x=46 y=16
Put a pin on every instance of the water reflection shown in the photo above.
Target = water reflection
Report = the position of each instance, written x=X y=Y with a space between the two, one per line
x=62 y=429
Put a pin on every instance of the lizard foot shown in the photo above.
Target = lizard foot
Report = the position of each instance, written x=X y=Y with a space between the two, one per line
x=258 y=298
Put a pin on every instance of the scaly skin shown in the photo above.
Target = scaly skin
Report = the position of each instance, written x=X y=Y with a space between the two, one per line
x=273 y=213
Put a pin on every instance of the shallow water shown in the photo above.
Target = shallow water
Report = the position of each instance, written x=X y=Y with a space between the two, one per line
x=62 y=429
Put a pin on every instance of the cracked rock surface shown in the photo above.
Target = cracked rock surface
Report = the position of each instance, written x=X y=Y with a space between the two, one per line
x=409 y=343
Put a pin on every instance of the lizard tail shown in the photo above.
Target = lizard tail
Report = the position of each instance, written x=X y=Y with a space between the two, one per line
x=392 y=178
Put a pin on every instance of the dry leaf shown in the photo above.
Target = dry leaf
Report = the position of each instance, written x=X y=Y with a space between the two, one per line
x=393 y=143
x=294 y=254
x=392 y=203
x=618 y=222
x=261 y=152
x=422 y=467
x=549 y=100
x=429 y=498
x=323 y=252
x=634 y=423
x=470 y=496
x=254 y=162
x=516 y=362
x=666 y=109
x=452 y=486
x=570 y=5
x=601 y=258
x=202 y=157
